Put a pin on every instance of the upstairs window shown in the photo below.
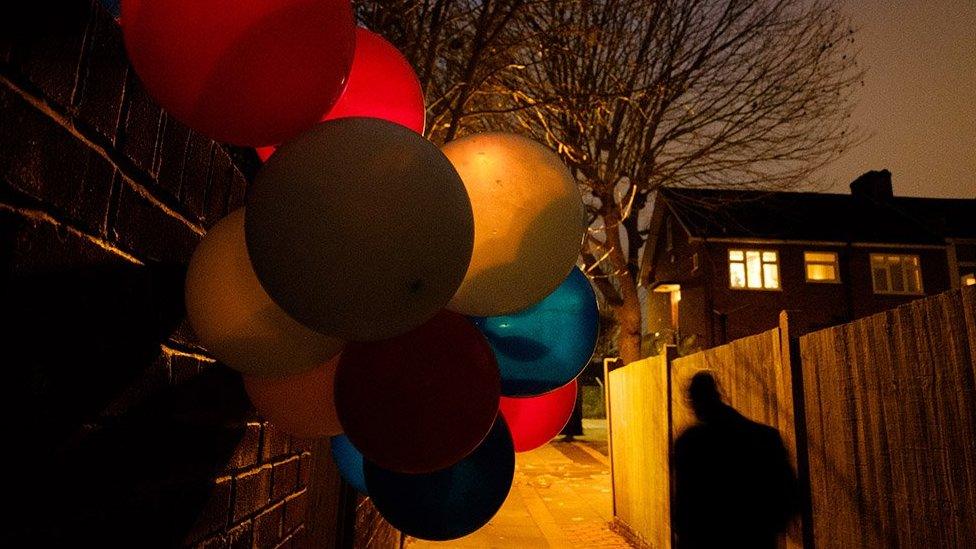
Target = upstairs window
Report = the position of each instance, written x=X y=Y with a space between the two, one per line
x=821 y=266
x=896 y=274
x=753 y=269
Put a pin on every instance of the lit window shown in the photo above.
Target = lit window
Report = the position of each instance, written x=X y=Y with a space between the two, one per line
x=821 y=266
x=969 y=279
x=896 y=274
x=754 y=269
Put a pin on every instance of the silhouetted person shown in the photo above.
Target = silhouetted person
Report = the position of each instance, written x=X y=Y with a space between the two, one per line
x=574 y=425
x=734 y=486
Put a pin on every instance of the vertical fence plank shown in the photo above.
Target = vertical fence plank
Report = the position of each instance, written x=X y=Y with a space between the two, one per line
x=640 y=437
x=810 y=349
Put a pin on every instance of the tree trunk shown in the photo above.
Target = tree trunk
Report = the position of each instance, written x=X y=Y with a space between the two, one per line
x=628 y=315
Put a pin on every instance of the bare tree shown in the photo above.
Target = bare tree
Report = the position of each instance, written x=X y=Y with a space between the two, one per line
x=634 y=95
x=463 y=52
x=645 y=93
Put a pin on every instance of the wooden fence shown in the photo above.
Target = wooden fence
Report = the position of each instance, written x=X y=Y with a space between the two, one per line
x=891 y=421
x=879 y=418
x=754 y=375
x=637 y=420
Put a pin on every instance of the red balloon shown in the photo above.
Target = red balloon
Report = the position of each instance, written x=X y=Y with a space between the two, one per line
x=535 y=420
x=250 y=73
x=421 y=401
x=302 y=404
x=381 y=84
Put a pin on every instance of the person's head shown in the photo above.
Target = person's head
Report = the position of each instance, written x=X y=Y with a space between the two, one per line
x=704 y=396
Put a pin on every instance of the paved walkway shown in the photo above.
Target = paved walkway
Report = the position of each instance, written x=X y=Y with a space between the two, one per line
x=560 y=498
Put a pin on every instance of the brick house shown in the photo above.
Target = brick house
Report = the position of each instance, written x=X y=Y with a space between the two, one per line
x=725 y=262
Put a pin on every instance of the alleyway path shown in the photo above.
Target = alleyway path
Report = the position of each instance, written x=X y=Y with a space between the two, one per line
x=560 y=499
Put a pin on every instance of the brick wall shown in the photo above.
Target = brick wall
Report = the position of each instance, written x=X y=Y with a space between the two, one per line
x=119 y=429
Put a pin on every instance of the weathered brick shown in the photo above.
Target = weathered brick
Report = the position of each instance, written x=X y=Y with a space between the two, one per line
x=275 y=442
x=172 y=155
x=152 y=380
x=140 y=131
x=144 y=227
x=90 y=175
x=101 y=81
x=305 y=469
x=196 y=174
x=87 y=324
x=247 y=451
x=241 y=536
x=252 y=491
x=297 y=539
x=299 y=445
x=217 y=541
x=184 y=367
x=215 y=513
x=267 y=526
x=183 y=337
x=221 y=176
x=48 y=41
x=238 y=191
x=295 y=511
x=284 y=478
x=43 y=160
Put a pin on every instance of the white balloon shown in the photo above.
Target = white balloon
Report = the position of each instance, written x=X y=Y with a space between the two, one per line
x=234 y=317
x=528 y=219
x=360 y=228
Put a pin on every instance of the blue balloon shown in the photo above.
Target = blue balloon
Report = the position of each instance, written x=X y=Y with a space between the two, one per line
x=350 y=463
x=545 y=346
x=452 y=502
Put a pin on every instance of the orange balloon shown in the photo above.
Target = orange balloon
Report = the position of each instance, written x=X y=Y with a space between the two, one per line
x=302 y=404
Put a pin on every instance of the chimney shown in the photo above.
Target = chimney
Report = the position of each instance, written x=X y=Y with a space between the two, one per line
x=874 y=185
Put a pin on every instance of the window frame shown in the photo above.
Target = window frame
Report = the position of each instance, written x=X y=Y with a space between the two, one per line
x=762 y=271
x=888 y=278
x=835 y=265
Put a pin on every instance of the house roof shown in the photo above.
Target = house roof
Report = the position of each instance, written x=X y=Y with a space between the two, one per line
x=713 y=213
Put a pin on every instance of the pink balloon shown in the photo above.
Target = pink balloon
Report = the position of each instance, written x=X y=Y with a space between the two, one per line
x=382 y=84
x=535 y=420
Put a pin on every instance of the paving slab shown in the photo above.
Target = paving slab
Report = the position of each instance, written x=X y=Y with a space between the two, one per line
x=560 y=499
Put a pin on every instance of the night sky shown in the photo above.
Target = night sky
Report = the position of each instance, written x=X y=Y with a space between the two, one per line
x=918 y=104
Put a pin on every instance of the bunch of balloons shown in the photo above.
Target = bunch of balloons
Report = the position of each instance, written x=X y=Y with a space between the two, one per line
x=420 y=305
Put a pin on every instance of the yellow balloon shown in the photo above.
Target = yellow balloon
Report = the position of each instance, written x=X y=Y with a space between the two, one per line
x=528 y=222
x=234 y=317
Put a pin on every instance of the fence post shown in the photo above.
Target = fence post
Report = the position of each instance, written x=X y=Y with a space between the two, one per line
x=790 y=353
x=670 y=354
x=607 y=406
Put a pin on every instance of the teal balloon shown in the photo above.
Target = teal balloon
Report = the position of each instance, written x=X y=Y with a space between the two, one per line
x=350 y=463
x=452 y=502
x=547 y=345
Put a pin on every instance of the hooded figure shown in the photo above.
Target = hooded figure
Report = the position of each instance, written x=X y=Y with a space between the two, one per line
x=733 y=483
